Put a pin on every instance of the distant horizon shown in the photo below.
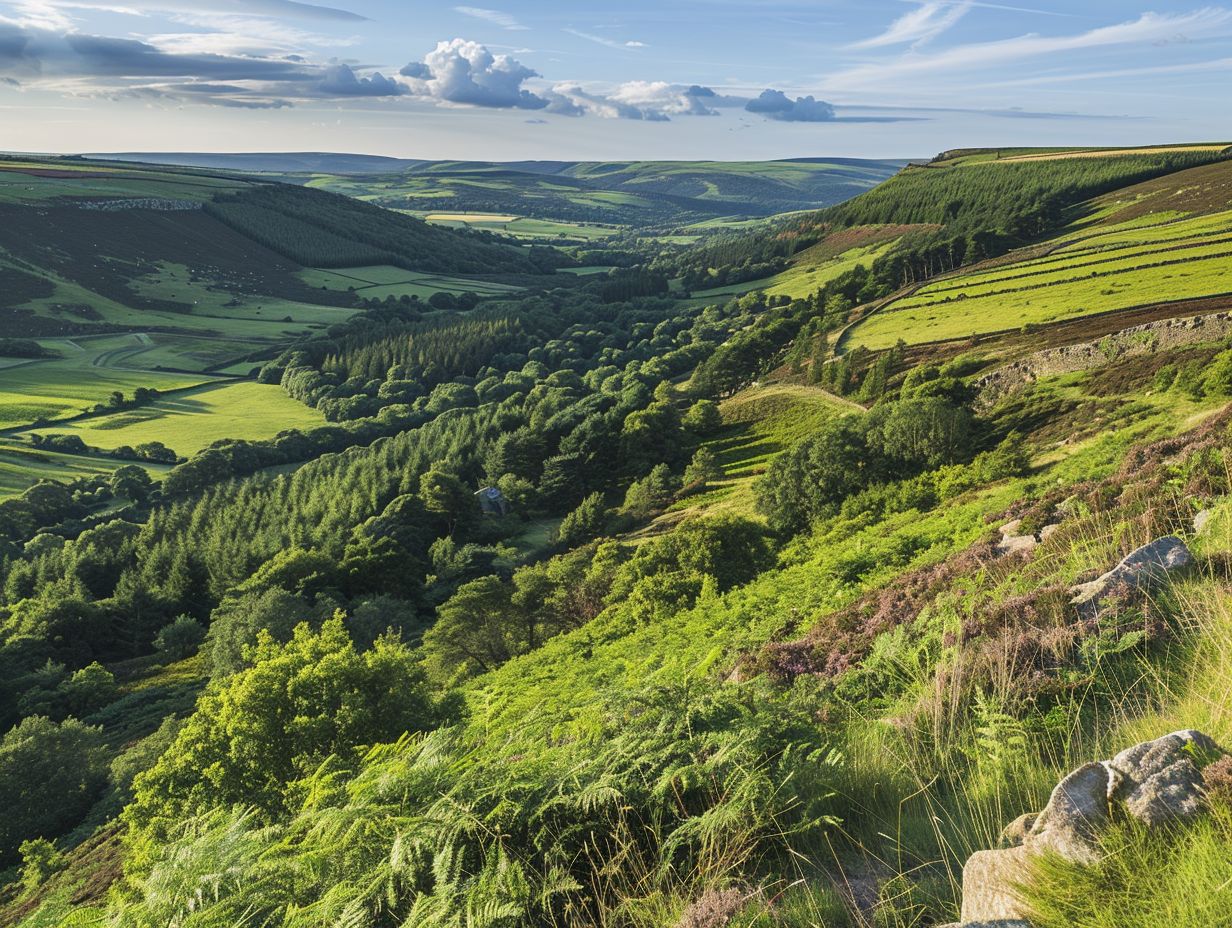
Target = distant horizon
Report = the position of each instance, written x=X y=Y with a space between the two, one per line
x=344 y=153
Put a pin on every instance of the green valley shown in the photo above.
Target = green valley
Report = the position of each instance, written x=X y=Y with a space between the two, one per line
x=624 y=544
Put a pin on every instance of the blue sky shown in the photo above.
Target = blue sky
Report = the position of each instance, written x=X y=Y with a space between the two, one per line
x=723 y=79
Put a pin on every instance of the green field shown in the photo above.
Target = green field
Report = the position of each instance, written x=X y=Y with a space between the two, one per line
x=22 y=466
x=192 y=420
x=87 y=372
x=1145 y=260
x=758 y=423
x=521 y=226
x=379 y=281
x=255 y=318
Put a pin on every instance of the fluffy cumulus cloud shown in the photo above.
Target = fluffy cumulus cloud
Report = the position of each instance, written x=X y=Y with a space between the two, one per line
x=467 y=73
x=774 y=104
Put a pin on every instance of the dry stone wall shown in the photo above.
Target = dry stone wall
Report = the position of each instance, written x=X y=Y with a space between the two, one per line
x=1137 y=340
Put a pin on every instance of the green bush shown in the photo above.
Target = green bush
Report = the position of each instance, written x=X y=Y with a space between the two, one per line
x=50 y=775
x=273 y=723
x=180 y=639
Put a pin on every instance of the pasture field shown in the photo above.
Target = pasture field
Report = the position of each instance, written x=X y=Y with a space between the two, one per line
x=258 y=319
x=521 y=226
x=380 y=281
x=22 y=466
x=278 y=318
x=87 y=372
x=192 y=420
x=586 y=271
x=1139 y=261
x=1157 y=228
x=1066 y=300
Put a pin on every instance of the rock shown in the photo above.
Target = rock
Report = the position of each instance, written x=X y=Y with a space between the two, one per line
x=1012 y=542
x=1076 y=811
x=1138 y=572
x=990 y=885
x=1160 y=781
x=1202 y=520
x=1048 y=531
x=1013 y=834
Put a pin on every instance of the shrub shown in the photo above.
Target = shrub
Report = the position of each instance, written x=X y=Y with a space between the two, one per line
x=39 y=860
x=50 y=774
x=275 y=722
x=180 y=639
x=585 y=522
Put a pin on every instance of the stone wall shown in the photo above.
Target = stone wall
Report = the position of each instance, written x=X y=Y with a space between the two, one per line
x=1138 y=340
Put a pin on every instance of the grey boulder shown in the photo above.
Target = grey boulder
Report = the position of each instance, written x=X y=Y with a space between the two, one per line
x=1140 y=571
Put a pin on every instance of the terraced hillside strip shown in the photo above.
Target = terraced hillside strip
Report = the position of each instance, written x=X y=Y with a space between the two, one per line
x=1065 y=285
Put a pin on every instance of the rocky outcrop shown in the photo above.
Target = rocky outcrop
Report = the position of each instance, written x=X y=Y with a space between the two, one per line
x=1156 y=782
x=1139 y=572
x=1015 y=541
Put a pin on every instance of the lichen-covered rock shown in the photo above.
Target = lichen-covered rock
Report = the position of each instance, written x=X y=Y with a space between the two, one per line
x=1015 y=833
x=1013 y=540
x=1202 y=519
x=1076 y=811
x=1157 y=782
x=1160 y=781
x=1138 y=572
x=990 y=885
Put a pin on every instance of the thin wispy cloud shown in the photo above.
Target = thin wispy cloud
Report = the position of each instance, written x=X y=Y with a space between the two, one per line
x=496 y=17
x=920 y=25
x=601 y=40
x=1147 y=28
x=57 y=12
x=1068 y=77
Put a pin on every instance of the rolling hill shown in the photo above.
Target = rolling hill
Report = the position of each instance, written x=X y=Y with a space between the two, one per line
x=638 y=193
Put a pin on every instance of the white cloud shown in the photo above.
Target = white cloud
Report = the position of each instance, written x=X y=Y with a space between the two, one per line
x=601 y=40
x=468 y=73
x=1149 y=27
x=926 y=22
x=496 y=17
x=652 y=101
